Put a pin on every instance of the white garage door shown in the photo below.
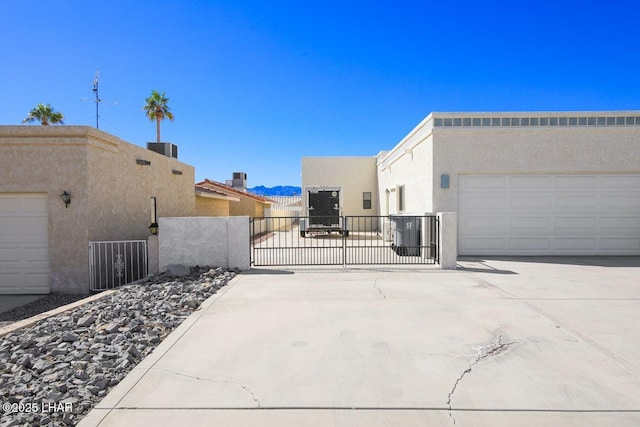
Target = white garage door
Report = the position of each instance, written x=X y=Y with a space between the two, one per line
x=24 y=244
x=549 y=215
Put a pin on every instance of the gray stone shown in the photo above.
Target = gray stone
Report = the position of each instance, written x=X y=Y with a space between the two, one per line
x=41 y=365
x=112 y=327
x=79 y=356
x=87 y=320
x=69 y=337
x=178 y=270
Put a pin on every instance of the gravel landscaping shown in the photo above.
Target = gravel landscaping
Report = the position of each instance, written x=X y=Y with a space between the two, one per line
x=55 y=371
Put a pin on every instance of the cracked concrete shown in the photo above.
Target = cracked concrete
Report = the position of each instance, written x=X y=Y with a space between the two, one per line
x=415 y=359
x=377 y=288
x=482 y=353
x=238 y=383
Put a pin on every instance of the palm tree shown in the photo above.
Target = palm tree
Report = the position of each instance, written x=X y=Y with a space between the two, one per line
x=157 y=109
x=45 y=115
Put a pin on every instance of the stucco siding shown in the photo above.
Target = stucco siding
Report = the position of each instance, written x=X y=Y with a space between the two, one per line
x=410 y=165
x=529 y=151
x=355 y=175
x=246 y=207
x=121 y=190
x=212 y=207
x=31 y=164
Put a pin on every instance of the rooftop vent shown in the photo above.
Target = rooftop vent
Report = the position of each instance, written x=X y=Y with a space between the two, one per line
x=165 y=148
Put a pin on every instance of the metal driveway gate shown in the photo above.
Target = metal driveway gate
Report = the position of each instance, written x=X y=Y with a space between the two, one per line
x=358 y=240
x=116 y=263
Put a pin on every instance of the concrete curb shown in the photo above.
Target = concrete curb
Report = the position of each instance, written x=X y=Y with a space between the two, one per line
x=33 y=320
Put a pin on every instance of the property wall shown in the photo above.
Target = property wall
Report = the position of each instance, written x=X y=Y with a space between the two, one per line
x=32 y=159
x=410 y=164
x=121 y=190
x=206 y=206
x=213 y=241
x=557 y=150
x=355 y=174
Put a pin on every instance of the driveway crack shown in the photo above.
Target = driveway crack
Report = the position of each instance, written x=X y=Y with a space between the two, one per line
x=377 y=288
x=239 y=384
x=494 y=349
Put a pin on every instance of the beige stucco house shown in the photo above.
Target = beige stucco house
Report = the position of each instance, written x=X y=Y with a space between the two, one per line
x=228 y=201
x=43 y=241
x=526 y=183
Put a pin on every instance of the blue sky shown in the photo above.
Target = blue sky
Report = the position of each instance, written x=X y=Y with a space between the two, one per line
x=256 y=85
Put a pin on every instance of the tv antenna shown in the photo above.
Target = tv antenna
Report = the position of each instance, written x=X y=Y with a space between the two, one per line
x=96 y=82
x=97 y=100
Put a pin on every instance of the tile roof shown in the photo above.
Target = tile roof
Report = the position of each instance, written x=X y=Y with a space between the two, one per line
x=229 y=191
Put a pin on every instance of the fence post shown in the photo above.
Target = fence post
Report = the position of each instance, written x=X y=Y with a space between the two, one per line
x=153 y=255
x=448 y=240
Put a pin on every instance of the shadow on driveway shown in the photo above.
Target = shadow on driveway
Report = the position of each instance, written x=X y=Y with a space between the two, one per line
x=600 y=261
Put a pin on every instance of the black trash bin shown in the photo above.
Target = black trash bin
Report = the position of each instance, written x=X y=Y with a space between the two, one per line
x=406 y=235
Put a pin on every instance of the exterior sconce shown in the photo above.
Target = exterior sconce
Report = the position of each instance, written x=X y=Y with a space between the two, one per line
x=153 y=228
x=66 y=198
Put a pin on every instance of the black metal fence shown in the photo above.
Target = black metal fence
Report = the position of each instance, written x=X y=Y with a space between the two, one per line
x=344 y=240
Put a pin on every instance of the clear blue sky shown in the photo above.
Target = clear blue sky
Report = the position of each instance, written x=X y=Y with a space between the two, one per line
x=256 y=85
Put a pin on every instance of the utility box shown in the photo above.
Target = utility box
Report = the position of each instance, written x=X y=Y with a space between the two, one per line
x=406 y=235
x=323 y=210
x=165 y=148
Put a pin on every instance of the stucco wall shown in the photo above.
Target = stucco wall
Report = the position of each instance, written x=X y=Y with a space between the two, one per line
x=121 y=189
x=559 y=150
x=110 y=193
x=213 y=241
x=30 y=161
x=410 y=165
x=355 y=174
x=206 y=206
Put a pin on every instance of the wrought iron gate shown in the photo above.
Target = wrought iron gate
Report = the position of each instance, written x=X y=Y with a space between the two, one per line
x=349 y=240
x=116 y=263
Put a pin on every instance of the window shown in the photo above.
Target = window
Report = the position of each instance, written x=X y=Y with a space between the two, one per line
x=401 y=198
x=366 y=200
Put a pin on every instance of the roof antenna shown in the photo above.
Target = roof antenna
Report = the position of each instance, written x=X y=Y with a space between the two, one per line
x=95 y=92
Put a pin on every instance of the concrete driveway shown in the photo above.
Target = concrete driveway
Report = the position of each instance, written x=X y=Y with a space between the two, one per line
x=501 y=342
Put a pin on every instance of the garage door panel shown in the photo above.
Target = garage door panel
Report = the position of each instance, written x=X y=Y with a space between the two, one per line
x=529 y=243
x=485 y=204
x=528 y=182
x=24 y=243
x=587 y=215
x=576 y=244
x=620 y=203
x=575 y=224
x=530 y=203
x=576 y=182
x=619 y=244
x=620 y=225
x=488 y=225
x=572 y=203
x=529 y=225
x=485 y=182
x=485 y=245
x=618 y=182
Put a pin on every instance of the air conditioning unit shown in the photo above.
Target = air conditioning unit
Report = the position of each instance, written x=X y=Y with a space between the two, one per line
x=165 y=148
x=239 y=181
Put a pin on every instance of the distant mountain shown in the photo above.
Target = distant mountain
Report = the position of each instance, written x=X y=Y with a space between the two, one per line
x=279 y=190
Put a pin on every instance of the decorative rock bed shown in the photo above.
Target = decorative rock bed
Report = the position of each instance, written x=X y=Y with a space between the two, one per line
x=55 y=371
